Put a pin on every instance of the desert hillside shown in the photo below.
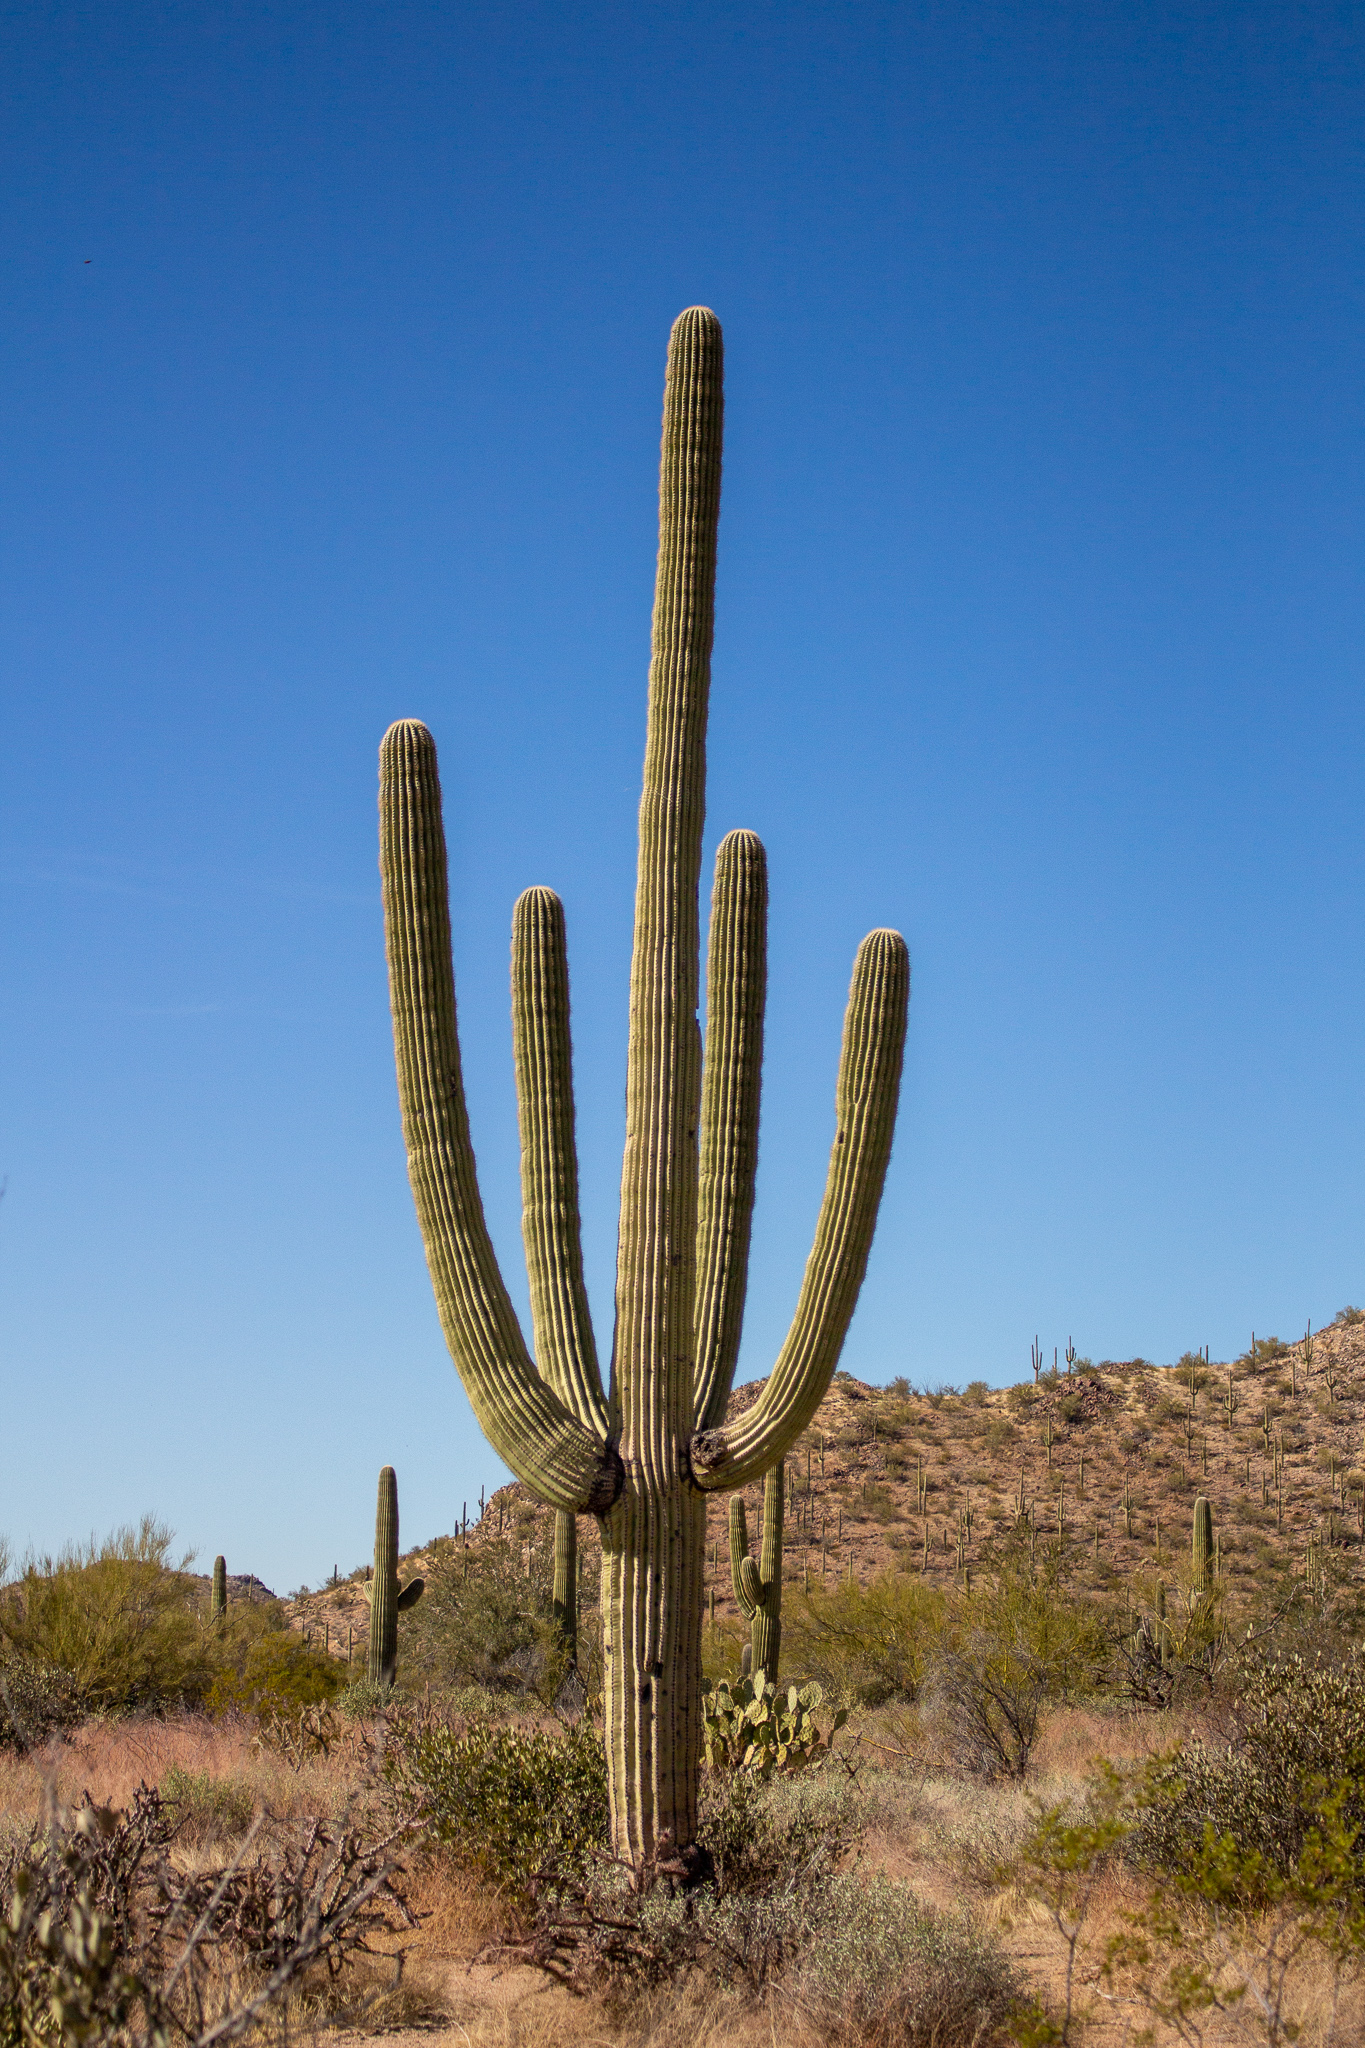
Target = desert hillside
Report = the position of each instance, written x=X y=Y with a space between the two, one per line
x=1105 y=1461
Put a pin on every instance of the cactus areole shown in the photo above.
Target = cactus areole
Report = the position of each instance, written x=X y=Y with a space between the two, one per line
x=643 y=1454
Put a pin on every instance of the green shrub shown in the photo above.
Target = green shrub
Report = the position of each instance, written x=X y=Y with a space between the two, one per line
x=35 y=1700
x=506 y=1802
x=1298 y=1732
x=117 y=1618
x=785 y=1835
x=483 y=1622
x=866 y=1643
x=279 y=1675
x=1021 y=1642
x=886 y=1968
x=205 y=1808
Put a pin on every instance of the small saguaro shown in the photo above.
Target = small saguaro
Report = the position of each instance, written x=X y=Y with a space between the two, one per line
x=1202 y=1545
x=218 y=1599
x=382 y=1591
x=758 y=1587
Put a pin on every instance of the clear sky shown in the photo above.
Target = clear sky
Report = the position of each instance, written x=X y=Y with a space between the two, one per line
x=331 y=369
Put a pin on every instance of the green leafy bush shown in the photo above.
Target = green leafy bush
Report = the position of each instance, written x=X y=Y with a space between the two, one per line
x=1023 y=1642
x=1298 y=1729
x=117 y=1617
x=506 y=1802
x=748 y=1725
x=277 y=1676
x=867 y=1644
x=785 y=1835
x=483 y=1622
x=35 y=1699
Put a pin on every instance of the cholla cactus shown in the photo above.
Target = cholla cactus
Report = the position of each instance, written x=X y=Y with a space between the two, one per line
x=1202 y=1545
x=758 y=1587
x=643 y=1454
x=382 y=1591
x=218 y=1598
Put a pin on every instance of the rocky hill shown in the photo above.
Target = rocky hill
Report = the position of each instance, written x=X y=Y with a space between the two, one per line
x=1105 y=1461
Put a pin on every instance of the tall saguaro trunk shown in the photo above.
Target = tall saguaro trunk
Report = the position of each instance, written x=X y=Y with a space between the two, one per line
x=654 y=1539
x=643 y=1454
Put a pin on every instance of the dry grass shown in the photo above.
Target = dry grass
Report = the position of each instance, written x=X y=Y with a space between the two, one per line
x=110 y=1759
x=946 y=1836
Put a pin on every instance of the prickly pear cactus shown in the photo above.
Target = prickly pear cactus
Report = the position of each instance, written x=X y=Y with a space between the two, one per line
x=750 y=1726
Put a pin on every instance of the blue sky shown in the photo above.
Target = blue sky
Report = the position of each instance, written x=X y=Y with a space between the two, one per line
x=331 y=376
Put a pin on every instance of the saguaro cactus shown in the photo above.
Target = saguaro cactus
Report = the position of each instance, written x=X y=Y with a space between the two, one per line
x=218 y=1598
x=1202 y=1545
x=642 y=1456
x=382 y=1591
x=758 y=1587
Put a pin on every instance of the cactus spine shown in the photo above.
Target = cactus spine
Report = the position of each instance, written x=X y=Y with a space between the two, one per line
x=643 y=1456
x=1202 y=1548
x=218 y=1598
x=758 y=1588
x=382 y=1591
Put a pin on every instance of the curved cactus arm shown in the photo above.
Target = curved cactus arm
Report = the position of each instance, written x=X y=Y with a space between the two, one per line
x=770 y=1553
x=865 y=1105
x=526 y=1423
x=564 y=1594
x=767 y=1625
x=736 y=986
x=652 y=1370
x=743 y=1576
x=411 y=1594
x=566 y=1353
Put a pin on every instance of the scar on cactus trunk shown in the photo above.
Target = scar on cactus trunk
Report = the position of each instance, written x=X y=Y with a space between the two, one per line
x=382 y=1592
x=643 y=1455
x=758 y=1587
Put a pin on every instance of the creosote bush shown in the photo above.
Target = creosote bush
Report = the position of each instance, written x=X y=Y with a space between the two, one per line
x=204 y=1808
x=505 y=1802
x=888 y=1970
x=866 y=1644
x=278 y=1675
x=1298 y=1735
x=484 y=1621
